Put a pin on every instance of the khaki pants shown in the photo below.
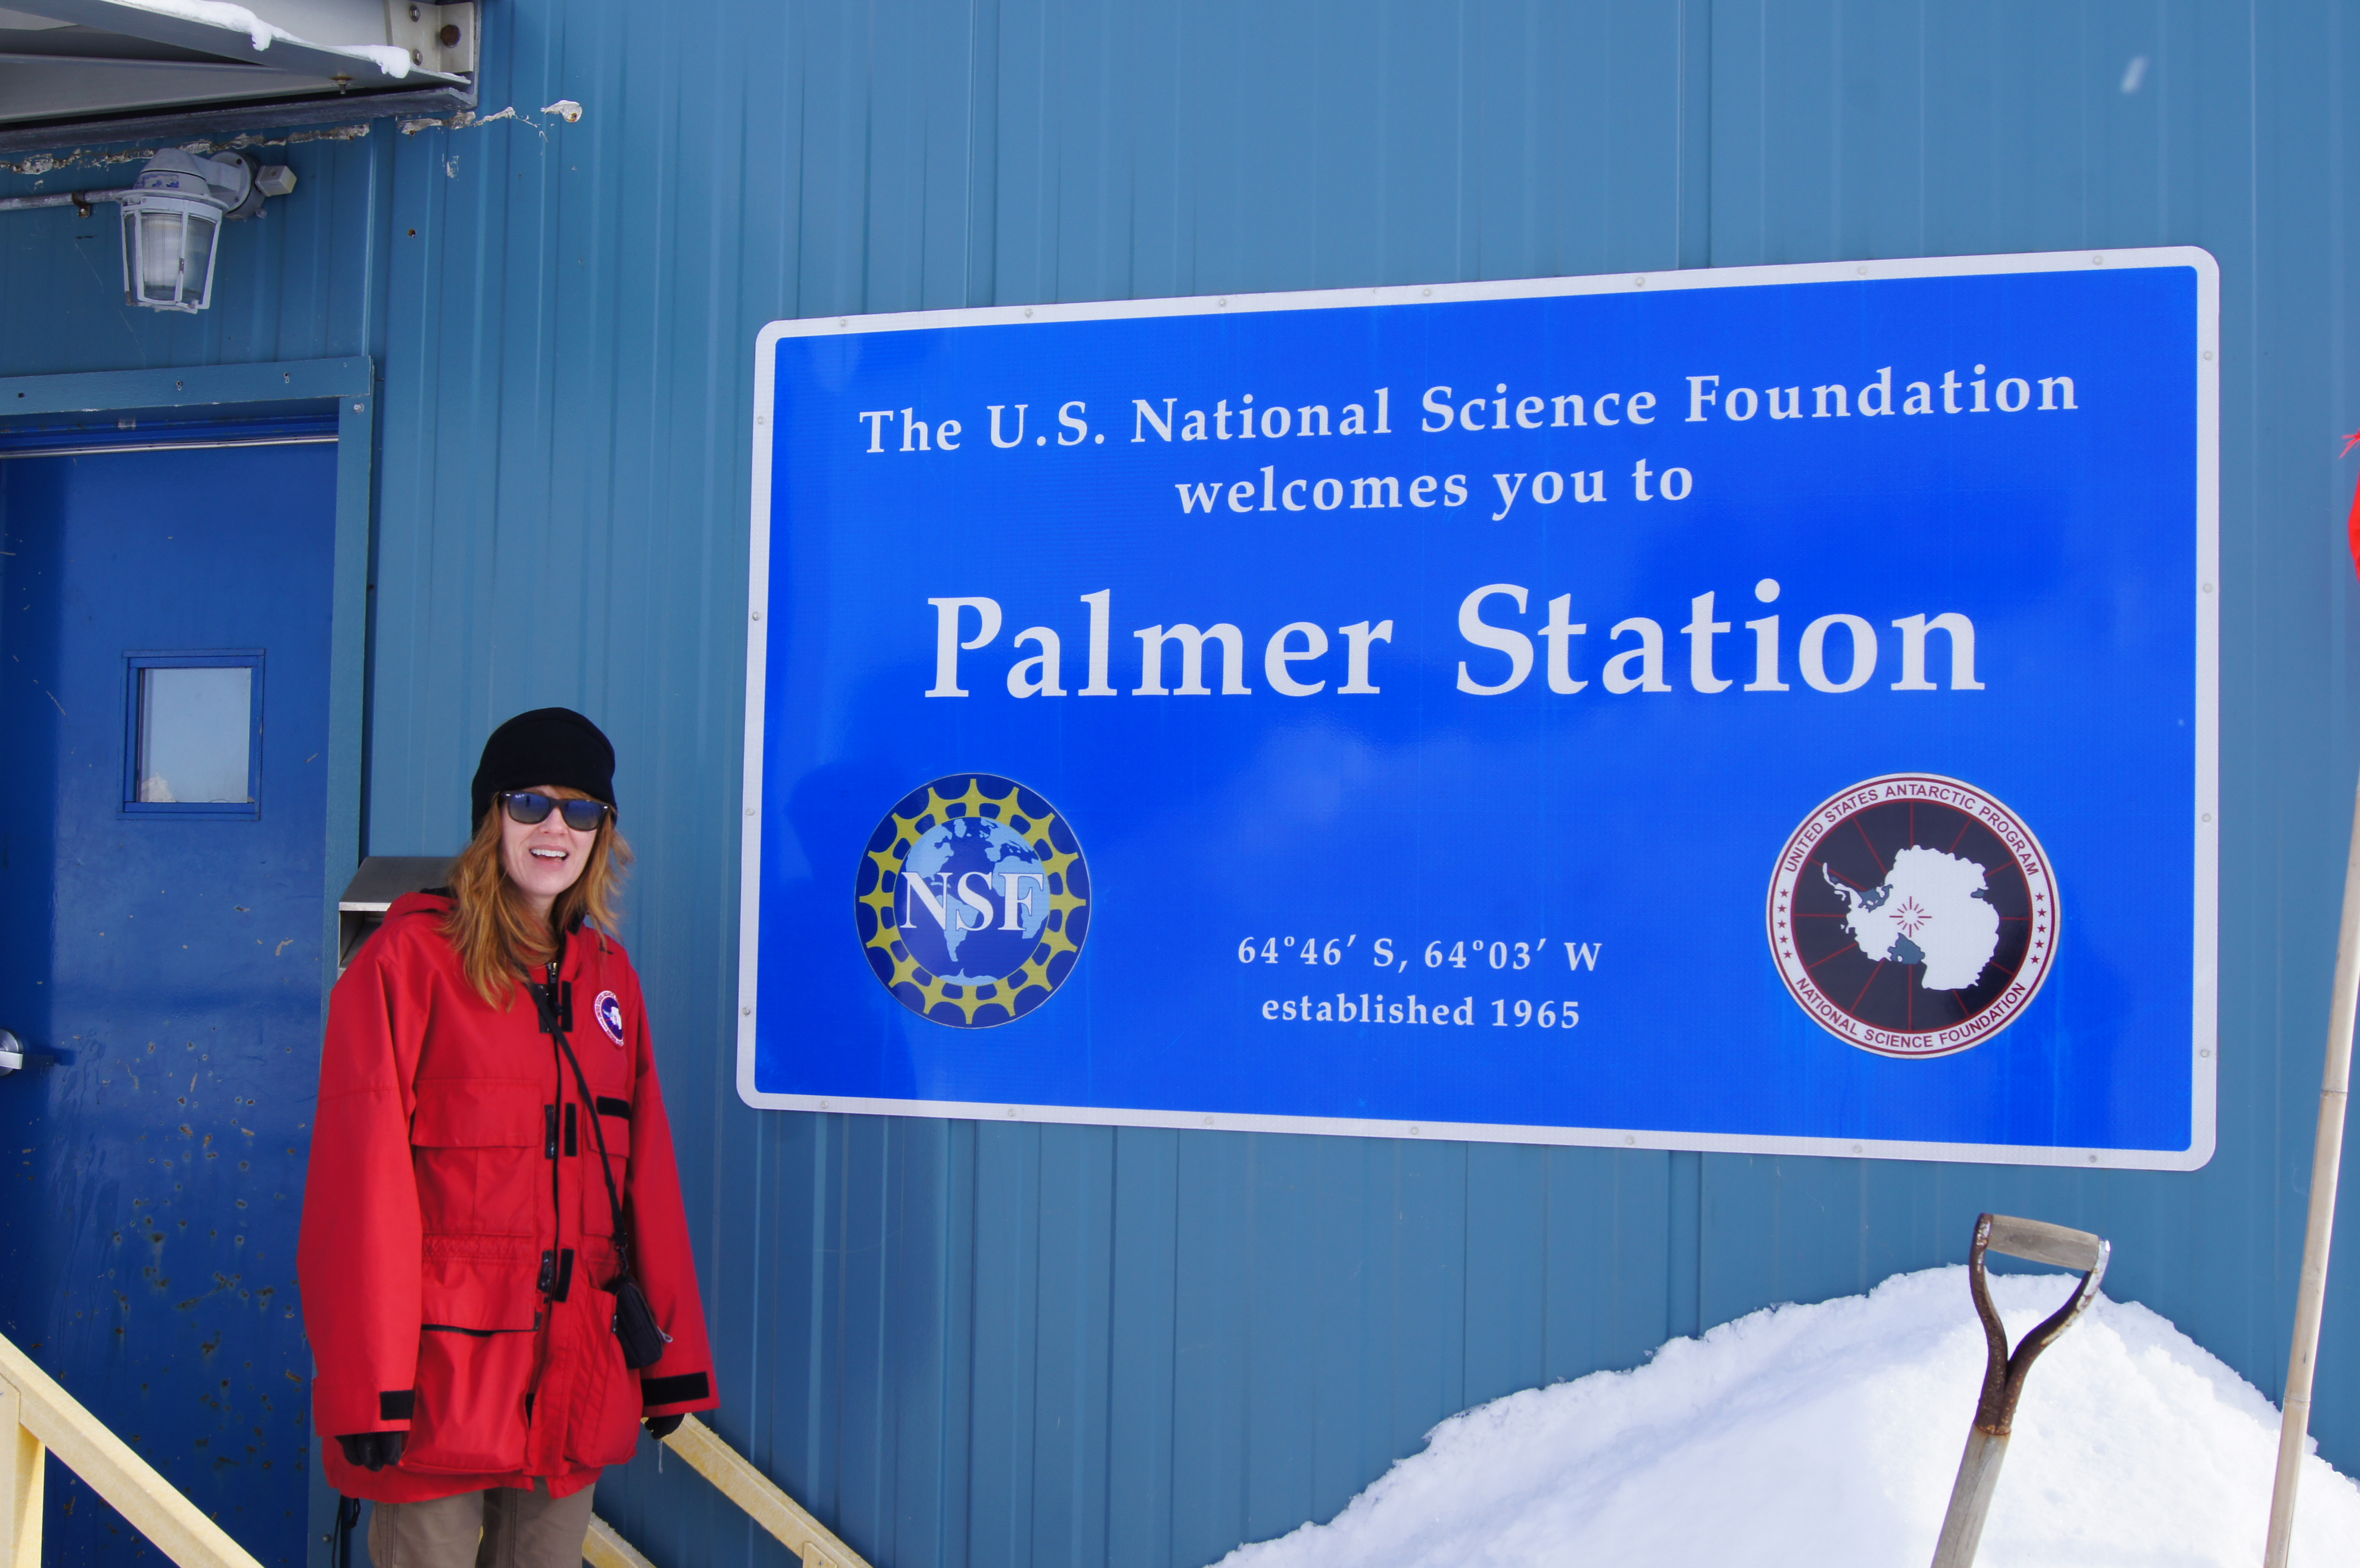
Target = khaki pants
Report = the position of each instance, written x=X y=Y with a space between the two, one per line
x=498 y=1528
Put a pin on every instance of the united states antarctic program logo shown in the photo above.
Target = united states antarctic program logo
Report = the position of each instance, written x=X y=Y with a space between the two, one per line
x=974 y=900
x=1913 y=915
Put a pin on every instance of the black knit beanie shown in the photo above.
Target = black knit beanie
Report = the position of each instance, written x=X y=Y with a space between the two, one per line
x=548 y=745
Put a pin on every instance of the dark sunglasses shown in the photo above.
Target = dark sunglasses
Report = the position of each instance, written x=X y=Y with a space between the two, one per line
x=527 y=808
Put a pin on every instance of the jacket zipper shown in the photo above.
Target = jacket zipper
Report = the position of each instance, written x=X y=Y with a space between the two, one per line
x=554 y=1282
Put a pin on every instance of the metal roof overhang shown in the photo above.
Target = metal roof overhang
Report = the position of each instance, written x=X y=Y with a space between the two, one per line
x=116 y=69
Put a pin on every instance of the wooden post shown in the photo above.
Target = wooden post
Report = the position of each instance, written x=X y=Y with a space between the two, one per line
x=2327 y=1163
x=22 y=1477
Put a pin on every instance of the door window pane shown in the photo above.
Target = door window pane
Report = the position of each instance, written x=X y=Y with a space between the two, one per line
x=196 y=728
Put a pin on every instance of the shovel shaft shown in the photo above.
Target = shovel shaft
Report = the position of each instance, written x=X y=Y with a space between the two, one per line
x=1970 y=1496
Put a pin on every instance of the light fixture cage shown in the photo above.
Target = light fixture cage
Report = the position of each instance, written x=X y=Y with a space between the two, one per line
x=167 y=254
x=171 y=226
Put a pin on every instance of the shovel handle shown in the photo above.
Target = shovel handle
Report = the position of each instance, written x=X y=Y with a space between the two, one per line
x=2044 y=1243
x=2005 y=1371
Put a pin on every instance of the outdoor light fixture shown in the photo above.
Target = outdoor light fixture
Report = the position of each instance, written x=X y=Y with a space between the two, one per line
x=172 y=218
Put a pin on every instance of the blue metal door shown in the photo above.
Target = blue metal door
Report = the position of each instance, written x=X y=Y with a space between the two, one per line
x=164 y=699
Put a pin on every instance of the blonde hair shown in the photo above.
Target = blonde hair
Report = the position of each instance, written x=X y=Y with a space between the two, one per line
x=491 y=927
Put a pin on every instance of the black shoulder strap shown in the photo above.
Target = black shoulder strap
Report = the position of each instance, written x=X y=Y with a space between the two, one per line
x=545 y=1000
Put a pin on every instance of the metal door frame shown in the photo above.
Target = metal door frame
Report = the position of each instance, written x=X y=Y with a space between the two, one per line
x=229 y=392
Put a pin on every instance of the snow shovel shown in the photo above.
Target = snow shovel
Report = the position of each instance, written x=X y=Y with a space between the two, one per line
x=2003 y=1375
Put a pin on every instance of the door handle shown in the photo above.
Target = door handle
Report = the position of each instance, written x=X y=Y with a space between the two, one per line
x=15 y=1058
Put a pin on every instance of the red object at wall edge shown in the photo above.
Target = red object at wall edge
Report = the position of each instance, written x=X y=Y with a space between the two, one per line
x=2352 y=524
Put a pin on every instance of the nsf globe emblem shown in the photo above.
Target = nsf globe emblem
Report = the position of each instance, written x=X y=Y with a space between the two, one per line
x=1913 y=915
x=974 y=900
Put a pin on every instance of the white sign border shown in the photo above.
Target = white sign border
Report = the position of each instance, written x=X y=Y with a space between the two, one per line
x=2203 y=1059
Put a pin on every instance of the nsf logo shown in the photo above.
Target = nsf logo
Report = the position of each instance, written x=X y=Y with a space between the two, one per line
x=974 y=900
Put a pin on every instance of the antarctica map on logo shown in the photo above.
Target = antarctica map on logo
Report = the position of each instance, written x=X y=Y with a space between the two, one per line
x=1660 y=711
x=1930 y=911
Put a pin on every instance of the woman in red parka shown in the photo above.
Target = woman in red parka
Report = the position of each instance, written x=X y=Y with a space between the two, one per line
x=460 y=1258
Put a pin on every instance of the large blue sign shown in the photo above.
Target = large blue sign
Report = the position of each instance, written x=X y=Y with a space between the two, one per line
x=1766 y=709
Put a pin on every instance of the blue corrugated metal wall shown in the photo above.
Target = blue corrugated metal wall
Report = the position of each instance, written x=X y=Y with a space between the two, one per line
x=976 y=1345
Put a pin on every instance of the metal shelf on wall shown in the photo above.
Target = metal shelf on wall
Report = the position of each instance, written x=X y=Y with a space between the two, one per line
x=381 y=879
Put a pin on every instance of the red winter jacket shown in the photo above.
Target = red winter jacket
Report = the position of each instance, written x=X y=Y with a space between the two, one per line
x=456 y=1234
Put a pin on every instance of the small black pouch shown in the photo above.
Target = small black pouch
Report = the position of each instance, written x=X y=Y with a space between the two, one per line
x=635 y=1324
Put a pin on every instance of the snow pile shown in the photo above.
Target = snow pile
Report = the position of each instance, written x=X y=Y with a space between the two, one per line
x=1829 y=1436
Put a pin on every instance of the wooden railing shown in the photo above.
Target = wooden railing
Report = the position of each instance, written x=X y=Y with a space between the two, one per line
x=603 y=1548
x=37 y=1416
x=743 y=1484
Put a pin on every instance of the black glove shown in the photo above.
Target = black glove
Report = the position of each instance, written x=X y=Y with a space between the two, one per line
x=374 y=1450
x=661 y=1427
